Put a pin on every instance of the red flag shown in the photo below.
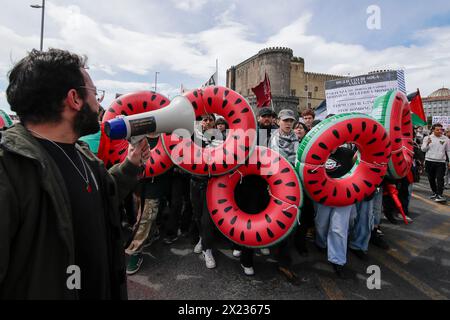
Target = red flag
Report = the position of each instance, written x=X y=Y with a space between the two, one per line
x=419 y=117
x=262 y=93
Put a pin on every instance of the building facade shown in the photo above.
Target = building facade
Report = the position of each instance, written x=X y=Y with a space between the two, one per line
x=292 y=87
x=437 y=103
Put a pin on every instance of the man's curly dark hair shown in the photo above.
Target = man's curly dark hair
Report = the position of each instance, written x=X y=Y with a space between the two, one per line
x=39 y=83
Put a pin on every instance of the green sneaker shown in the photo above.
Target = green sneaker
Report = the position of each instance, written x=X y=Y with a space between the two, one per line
x=134 y=263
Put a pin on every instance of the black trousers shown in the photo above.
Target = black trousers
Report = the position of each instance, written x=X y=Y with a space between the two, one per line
x=180 y=215
x=200 y=213
x=436 y=173
x=306 y=222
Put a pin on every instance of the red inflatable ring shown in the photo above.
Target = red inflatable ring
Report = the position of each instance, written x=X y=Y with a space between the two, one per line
x=374 y=148
x=393 y=111
x=238 y=145
x=129 y=104
x=272 y=224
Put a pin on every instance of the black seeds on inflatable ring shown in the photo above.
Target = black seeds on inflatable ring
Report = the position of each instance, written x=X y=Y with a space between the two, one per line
x=226 y=93
x=324 y=182
x=216 y=90
x=407 y=123
x=214 y=212
x=232 y=232
x=291 y=184
x=407 y=134
x=397 y=128
x=398 y=155
x=268 y=219
x=279 y=181
x=130 y=106
x=370 y=185
x=196 y=94
x=376 y=170
x=384 y=136
x=316 y=157
x=323 y=199
x=152 y=161
x=281 y=224
x=152 y=171
x=172 y=147
x=119 y=102
x=145 y=105
x=285 y=170
x=249 y=224
x=221 y=185
x=242 y=236
x=158 y=152
x=233 y=221
x=379 y=154
x=214 y=168
x=153 y=97
x=225 y=165
x=232 y=113
x=235 y=157
x=323 y=146
x=236 y=137
x=410 y=142
x=162 y=102
x=375 y=128
x=258 y=237
x=292 y=198
x=335 y=192
x=388 y=145
x=245 y=110
x=228 y=209
x=121 y=152
x=205 y=168
x=313 y=182
x=398 y=140
x=237 y=121
x=364 y=126
x=401 y=162
x=406 y=113
x=349 y=127
x=287 y=214
x=349 y=194
x=238 y=101
x=225 y=151
x=124 y=113
x=224 y=104
x=258 y=165
x=270 y=233
x=111 y=151
x=220 y=222
x=316 y=193
x=357 y=189
x=210 y=101
x=112 y=110
x=372 y=141
x=278 y=202
x=357 y=137
x=163 y=165
x=194 y=104
x=336 y=134
x=194 y=167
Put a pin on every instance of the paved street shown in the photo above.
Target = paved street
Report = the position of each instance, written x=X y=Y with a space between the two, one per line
x=416 y=267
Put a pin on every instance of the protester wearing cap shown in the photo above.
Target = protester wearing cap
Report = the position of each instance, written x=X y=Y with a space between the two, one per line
x=265 y=126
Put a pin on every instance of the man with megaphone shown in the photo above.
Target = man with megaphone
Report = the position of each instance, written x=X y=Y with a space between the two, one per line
x=60 y=230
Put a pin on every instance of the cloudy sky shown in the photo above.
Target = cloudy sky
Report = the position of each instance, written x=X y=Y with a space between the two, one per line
x=128 y=41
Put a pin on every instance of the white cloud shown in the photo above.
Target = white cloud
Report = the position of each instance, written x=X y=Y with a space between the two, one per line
x=189 y=5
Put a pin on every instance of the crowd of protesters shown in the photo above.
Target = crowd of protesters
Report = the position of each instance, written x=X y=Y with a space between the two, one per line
x=61 y=207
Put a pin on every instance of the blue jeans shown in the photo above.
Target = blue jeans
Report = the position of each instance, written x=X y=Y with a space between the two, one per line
x=332 y=225
x=378 y=207
x=363 y=225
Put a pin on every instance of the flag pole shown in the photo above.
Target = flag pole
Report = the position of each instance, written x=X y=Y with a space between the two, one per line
x=217 y=71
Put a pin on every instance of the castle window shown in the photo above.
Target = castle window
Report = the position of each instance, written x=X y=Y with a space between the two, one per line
x=306 y=88
x=316 y=89
x=310 y=95
x=293 y=93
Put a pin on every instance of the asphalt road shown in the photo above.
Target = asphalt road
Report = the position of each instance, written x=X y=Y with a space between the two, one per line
x=416 y=267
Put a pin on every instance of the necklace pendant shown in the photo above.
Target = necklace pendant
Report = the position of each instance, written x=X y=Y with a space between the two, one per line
x=89 y=188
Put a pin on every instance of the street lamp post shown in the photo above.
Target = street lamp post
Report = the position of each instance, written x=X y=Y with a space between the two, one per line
x=156 y=79
x=35 y=6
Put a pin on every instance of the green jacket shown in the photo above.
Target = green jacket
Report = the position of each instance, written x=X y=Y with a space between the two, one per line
x=36 y=235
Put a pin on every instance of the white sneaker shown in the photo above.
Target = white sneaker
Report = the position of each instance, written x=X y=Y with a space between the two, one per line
x=209 y=259
x=237 y=253
x=198 y=247
x=440 y=199
x=265 y=251
x=409 y=219
x=248 y=271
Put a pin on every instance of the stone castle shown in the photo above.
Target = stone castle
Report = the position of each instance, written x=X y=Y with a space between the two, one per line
x=292 y=87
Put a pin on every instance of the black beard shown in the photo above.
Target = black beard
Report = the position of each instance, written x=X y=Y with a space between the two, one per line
x=86 y=121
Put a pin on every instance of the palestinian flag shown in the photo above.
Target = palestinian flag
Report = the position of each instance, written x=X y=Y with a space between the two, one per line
x=418 y=114
x=5 y=120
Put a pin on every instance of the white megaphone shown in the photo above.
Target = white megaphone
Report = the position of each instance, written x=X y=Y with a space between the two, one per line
x=179 y=114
